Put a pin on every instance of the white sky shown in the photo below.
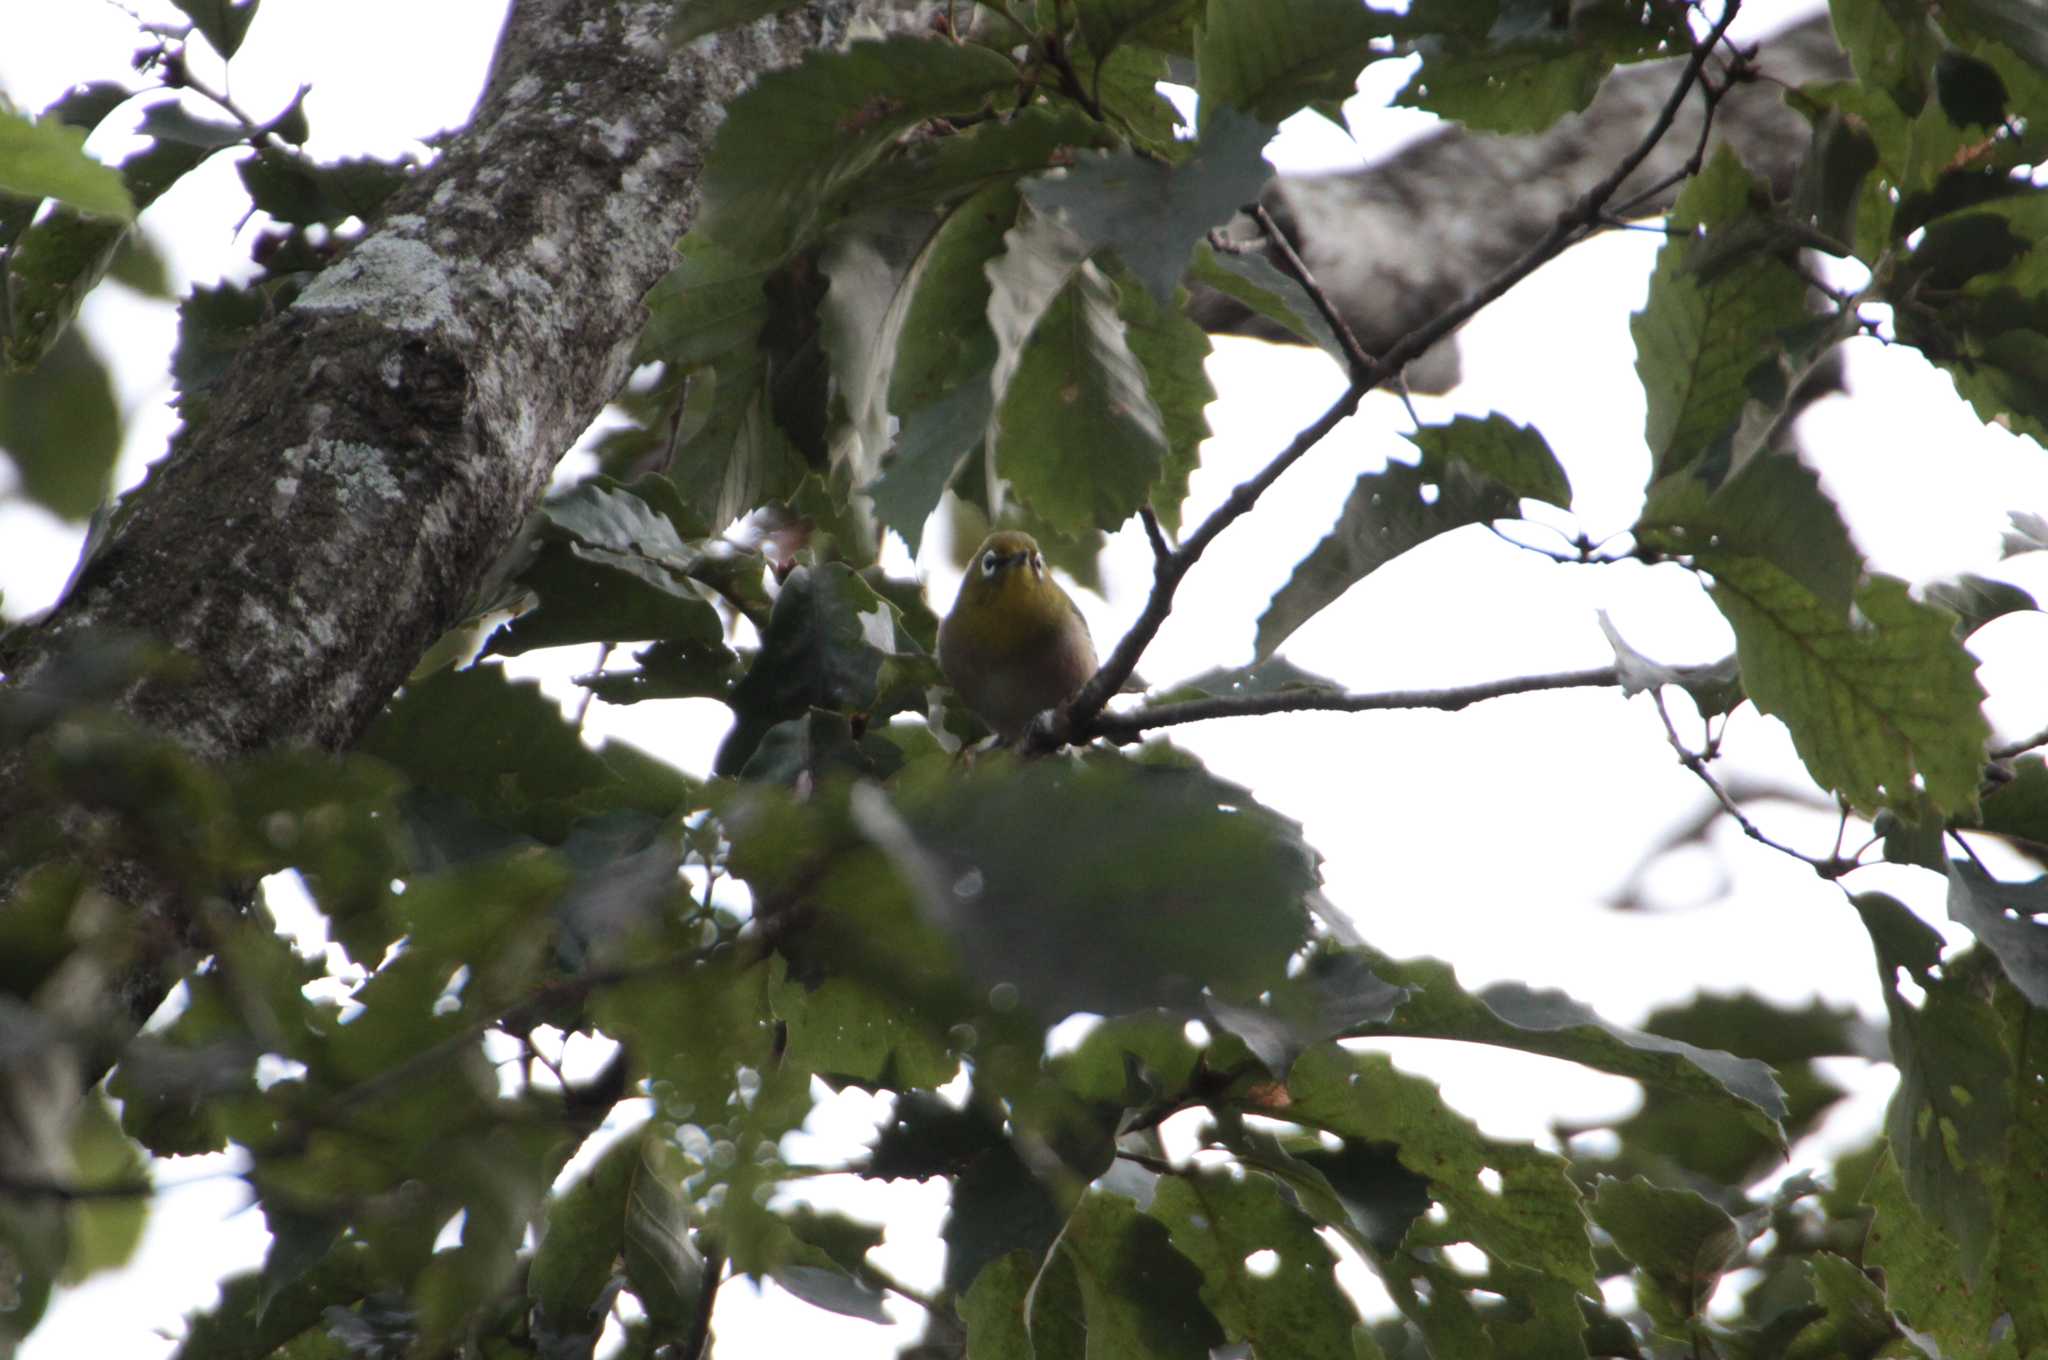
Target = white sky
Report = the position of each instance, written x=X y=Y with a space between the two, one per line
x=1492 y=838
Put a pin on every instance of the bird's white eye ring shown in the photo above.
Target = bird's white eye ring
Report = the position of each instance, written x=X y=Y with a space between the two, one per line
x=1037 y=564
x=989 y=562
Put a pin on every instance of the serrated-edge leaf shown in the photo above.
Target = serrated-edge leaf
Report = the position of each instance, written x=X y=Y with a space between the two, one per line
x=1876 y=703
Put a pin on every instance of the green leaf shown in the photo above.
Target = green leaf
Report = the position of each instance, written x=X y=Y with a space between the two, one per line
x=503 y=747
x=1881 y=706
x=1292 y=1307
x=1681 y=1243
x=572 y=1267
x=1712 y=319
x=1251 y=279
x=1333 y=992
x=1202 y=888
x=2019 y=807
x=1173 y=351
x=103 y=1232
x=213 y=325
x=1270 y=58
x=664 y=1267
x=994 y=1309
x=1511 y=1015
x=171 y=121
x=844 y=1028
x=2005 y=917
x=48 y=160
x=1076 y=432
x=1152 y=214
x=695 y=18
x=1973 y=297
x=832 y=643
x=1925 y=1278
x=608 y=568
x=1977 y=600
x=930 y=447
x=1141 y=1297
x=1951 y=1115
x=792 y=147
x=223 y=22
x=1533 y=1219
x=716 y=318
x=1772 y=508
x=62 y=256
x=61 y=425
x=298 y=191
x=1514 y=456
x=1386 y=514
x=1892 y=48
x=1164 y=24
x=1519 y=66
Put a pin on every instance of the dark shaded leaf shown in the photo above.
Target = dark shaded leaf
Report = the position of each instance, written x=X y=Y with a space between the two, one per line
x=1977 y=600
x=1140 y=1297
x=792 y=147
x=695 y=18
x=223 y=22
x=1700 y=333
x=832 y=643
x=2007 y=918
x=60 y=424
x=1252 y=280
x=1681 y=1243
x=1386 y=514
x=1270 y=58
x=1077 y=433
x=1152 y=214
x=504 y=747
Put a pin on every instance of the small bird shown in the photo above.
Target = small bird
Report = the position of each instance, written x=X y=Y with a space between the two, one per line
x=1014 y=645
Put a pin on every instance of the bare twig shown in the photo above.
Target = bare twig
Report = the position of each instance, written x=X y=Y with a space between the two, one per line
x=1083 y=715
x=1831 y=868
x=1361 y=362
x=2008 y=750
x=1161 y=549
x=29 y=1187
x=1122 y=727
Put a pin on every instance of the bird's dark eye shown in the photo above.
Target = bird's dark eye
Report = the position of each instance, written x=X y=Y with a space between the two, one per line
x=989 y=562
x=1037 y=564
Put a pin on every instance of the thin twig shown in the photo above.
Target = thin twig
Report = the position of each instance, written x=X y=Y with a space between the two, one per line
x=1830 y=868
x=34 y=1187
x=698 y=1344
x=1161 y=549
x=1361 y=362
x=1122 y=727
x=2019 y=748
x=1082 y=716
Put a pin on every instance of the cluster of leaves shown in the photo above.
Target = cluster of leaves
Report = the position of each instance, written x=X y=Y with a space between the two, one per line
x=957 y=262
x=67 y=224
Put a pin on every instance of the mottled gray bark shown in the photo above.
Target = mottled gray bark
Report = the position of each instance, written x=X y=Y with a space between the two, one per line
x=374 y=449
x=1401 y=240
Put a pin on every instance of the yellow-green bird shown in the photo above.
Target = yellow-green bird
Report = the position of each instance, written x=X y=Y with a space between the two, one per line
x=1014 y=645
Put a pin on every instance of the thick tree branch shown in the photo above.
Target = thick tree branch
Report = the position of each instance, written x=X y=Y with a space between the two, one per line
x=1583 y=216
x=374 y=448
